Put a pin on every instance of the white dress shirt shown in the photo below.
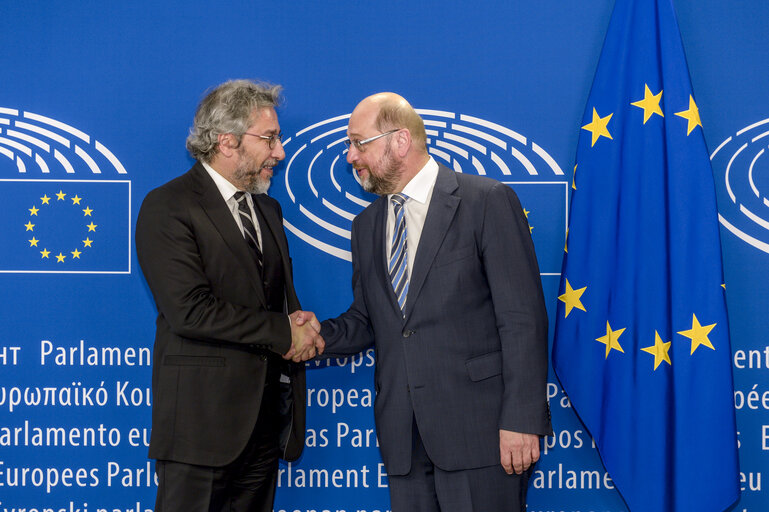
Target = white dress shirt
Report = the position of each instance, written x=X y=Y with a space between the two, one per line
x=419 y=191
x=228 y=191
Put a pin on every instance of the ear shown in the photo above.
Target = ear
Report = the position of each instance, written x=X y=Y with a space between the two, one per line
x=403 y=140
x=227 y=144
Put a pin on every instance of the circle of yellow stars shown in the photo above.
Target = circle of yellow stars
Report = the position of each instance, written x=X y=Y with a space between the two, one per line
x=572 y=298
x=698 y=334
x=526 y=214
x=45 y=201
x=650 y=104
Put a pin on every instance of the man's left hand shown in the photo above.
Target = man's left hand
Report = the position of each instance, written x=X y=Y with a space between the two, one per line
x=517 y=452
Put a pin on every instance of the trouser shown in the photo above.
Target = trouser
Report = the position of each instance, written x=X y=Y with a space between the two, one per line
x=245 y=485
x=427 y=488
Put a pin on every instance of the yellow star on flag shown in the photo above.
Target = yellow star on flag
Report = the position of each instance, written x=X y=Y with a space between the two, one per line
x=698 y=334
x=598 y=127
x=45 y=253
x=33 y=242
x=87 y=242
x=692 y=115
x=566 y=242
x=574 y=178
x=572 y=298
x=45 y=199
x=659 y=350
x=650 y=104
x=76 y=254
x=76 y=200
x=526 y=213
x=60 y=196
x=60 y=258
x=92 y=226
x=34 y=210
x=611 y=339
x=87 y=211
x=29 y=226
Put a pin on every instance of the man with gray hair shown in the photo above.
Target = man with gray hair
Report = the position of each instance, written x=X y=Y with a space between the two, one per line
x=228 y=388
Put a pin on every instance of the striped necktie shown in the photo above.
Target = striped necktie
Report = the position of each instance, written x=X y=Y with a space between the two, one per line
x=398 y=264
x=249 y=231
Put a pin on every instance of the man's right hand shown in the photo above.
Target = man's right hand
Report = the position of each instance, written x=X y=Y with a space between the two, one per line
x=306 y=342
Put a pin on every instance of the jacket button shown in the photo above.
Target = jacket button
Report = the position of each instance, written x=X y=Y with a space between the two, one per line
x=407 y=332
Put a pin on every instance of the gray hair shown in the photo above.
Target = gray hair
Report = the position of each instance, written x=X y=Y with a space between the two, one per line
x=227 y=109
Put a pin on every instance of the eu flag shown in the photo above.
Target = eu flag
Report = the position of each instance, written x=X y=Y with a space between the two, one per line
x=65 y=226
x=642 y=339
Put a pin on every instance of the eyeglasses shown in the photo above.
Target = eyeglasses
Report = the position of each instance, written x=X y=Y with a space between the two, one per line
x=359 y=144
x=271 y=139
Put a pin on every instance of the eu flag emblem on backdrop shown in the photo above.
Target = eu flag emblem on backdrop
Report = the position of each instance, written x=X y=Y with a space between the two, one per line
x=642 y=339
x=74 y=226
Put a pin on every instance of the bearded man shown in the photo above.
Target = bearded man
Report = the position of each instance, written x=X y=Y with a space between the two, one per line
x=446 y=287
x=228 y=394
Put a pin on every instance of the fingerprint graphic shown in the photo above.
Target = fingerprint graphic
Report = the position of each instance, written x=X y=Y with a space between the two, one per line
x=321 y=195
x=65 y=205
x=39 y=145
x=741 y=167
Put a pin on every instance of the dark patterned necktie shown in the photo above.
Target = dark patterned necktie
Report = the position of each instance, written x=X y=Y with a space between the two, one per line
x=249 y=231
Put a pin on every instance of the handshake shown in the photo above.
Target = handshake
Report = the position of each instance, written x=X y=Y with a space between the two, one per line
x=306 y=341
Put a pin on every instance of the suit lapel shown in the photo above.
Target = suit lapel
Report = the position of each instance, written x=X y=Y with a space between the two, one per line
x=443 y=207
x=379 y=249
x=275 y=228
x=216 y=209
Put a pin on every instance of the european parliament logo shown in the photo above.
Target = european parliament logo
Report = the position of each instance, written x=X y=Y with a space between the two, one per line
x=51 y=222
x=321 y=195
x=741 y=164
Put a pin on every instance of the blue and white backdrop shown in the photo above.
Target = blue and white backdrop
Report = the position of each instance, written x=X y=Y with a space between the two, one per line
x=95 y=102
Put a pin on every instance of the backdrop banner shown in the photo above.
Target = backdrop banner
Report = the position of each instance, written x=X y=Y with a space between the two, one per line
x=96 y=101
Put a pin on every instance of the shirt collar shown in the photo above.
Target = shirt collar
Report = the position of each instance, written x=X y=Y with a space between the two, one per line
x=226 y=188
x=419 y=187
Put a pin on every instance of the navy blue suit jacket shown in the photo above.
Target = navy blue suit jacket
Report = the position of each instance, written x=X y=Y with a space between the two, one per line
x=470 y=356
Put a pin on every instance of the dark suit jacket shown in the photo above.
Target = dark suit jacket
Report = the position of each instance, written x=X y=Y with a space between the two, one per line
x=470 y=357
x=213 y=331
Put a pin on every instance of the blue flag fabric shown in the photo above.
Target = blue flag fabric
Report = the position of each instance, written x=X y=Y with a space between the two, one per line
x=642 y=339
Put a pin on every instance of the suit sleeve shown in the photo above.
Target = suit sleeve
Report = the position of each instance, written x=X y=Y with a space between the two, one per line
x=351 y=331
x=169 y=254
x=516 y=289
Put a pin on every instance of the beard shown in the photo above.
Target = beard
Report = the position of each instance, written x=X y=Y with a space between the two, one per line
x=384 y=183
x=250 y=176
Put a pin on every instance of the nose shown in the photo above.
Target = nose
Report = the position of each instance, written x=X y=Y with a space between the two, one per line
x=351 y=158
x=278 y=152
